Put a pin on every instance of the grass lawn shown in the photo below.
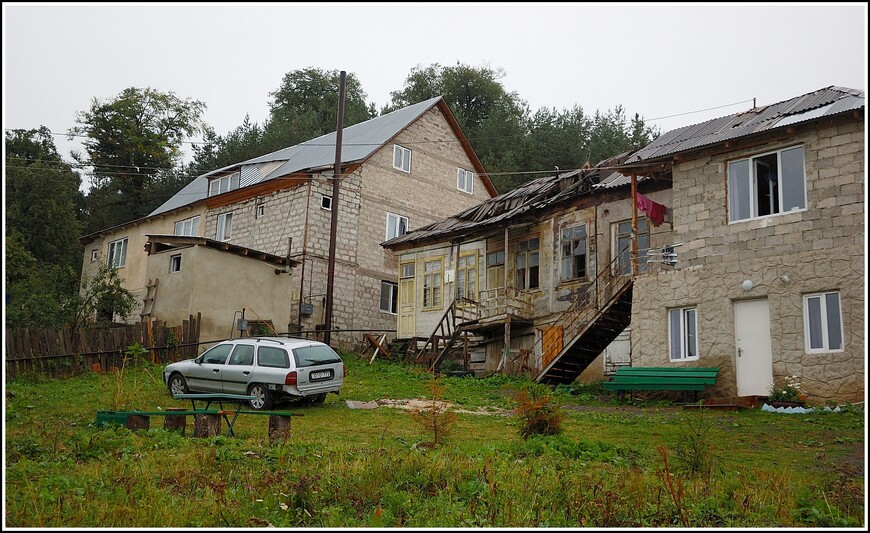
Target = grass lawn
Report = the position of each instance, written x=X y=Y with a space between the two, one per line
x=614 y=464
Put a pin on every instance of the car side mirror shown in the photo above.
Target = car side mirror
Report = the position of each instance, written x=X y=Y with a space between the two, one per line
x=198 y=360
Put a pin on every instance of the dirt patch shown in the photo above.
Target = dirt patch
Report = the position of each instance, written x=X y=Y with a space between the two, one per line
x=417 y=404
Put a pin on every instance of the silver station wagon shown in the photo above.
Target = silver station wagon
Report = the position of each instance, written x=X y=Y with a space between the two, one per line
x=273 y=369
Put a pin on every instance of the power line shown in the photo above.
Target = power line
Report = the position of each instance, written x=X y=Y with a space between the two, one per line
x=698 y=111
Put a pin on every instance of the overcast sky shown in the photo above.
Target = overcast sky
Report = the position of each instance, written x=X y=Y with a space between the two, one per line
x=657 y=60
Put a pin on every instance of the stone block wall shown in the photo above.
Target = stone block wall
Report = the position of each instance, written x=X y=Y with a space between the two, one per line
x=785 y=256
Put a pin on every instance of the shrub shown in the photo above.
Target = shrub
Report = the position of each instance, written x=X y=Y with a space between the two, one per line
x=437 y=417
x=537 y=411
x=787 y=391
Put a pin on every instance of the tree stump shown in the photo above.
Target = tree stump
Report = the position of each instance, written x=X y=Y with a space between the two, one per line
x=206 y=425
x=138 y=422
x=176 y=422
x=279 y=428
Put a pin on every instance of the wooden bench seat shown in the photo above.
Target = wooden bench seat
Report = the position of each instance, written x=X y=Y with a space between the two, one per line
x=632 y=378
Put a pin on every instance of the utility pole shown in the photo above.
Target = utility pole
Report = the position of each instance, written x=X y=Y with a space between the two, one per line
x=333 y=226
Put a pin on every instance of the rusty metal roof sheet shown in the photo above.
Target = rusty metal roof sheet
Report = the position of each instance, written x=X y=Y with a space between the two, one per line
x=526 y=199
x=822 y=103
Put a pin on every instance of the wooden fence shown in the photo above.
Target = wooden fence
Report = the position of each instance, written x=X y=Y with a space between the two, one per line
x=64 y=352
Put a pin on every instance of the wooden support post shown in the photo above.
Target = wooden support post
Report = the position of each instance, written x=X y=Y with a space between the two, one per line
x=175 y=422
x=634 y=250
x=137 y=422
x=279 y=428
x=206 y=425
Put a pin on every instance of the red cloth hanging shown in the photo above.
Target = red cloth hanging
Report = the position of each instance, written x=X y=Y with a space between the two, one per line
x=655 y=211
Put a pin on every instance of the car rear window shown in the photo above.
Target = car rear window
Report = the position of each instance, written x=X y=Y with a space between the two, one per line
x=274 y=357
x=315 y=355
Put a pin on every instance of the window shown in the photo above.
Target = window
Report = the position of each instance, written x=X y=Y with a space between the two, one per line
x=273 y=357
x=224 y=227
x=396 y=225
x=401 y=158
x=432 y=284
x=188 y=226
x=95 y=254
x=261 y=210
x=465 y=180
x=243 y=355
x=175 y=263
x=623 y=245
x=823 y=325
x=389 y=295
x=495 y=270
x=223 y=184
x=574 y=252
x=767 y=184
x=683 y=328
x=217 y=355
x=466 y=276
x=118 y=253
x=326 y=202
x=527 y=264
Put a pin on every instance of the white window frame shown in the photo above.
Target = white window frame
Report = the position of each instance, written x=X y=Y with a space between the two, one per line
x=95 y=254
x=260 y=211
x=392 y=297
x=742 y=175
x=465 y=180
x=188 y=227
x=223 y=184
x=397 y=221
x=224 y=230
x=402 y=156
x=175 y=263
x=825 y=324
x=325 y=202
x=682 y=316
x=117 y=257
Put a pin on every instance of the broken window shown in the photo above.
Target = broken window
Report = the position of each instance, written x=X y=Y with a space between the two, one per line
x=527 y=264
x=574 y=252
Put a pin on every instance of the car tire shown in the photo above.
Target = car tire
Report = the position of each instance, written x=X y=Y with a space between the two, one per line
x=263 y=400
x=177 y=384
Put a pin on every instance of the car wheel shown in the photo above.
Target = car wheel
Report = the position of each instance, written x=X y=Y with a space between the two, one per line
x=177 y=384
x=318 y=399
x=262 y=399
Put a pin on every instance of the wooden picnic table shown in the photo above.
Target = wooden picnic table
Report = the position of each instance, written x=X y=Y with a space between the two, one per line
x=220 y=398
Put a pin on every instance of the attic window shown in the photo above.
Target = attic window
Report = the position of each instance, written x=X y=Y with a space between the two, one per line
x=402 y=158
x=223 y=184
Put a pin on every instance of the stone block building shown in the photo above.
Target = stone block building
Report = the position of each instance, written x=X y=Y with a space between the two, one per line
x=399 y=171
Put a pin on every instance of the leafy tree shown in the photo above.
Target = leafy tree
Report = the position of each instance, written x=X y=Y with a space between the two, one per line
x=492 y=118
x=43 y=200
x=130 y=140
x=305 y=106
x=102 y=297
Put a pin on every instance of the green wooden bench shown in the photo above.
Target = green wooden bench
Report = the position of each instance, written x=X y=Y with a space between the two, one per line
x=686 y=379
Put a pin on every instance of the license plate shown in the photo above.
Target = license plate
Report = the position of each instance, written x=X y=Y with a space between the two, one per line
x=320 y=375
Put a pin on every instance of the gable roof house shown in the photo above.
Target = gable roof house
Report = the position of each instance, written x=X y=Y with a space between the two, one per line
x=226 y=242
x=769 y=206
x=544 y=270
x=736 y=243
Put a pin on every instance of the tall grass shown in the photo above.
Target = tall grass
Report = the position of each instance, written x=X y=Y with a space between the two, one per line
x=360 y=468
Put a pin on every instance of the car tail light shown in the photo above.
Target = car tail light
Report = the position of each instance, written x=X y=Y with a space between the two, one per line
x=290 y=379
x=343 y=371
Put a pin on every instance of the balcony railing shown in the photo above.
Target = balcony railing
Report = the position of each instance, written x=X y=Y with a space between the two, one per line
x=505 y=301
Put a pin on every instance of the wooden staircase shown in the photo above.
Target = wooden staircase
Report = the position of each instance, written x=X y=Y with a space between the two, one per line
x=455 y=324
x=594 y=319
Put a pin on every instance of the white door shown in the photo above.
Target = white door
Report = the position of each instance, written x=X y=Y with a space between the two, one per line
x=407 y=302
x=754 y=355
x=618 y=352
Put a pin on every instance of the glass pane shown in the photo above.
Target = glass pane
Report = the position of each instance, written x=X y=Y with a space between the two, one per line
x=194 y=230
x=691 y=336
x=397 y=157
x=179 y=228
x=217 y=355
x=832 y=309
x=274 y=357
x=738 y=190
x=315 y=355
x=814 y=316
x=403 y=225
x=533 y=278
x=214 y=187
x=394 y=297
x=793 y=183
x=408 y=270
x=385 y=296
x=391 y=227
x=676 y=336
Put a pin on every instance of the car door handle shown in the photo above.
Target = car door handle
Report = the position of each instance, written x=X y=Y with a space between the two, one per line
x=246 y=373
x=215 y=370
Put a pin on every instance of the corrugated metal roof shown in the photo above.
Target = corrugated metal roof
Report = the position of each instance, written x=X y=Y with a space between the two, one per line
x=528 y=198
x=824 y=102
x=357 y=143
